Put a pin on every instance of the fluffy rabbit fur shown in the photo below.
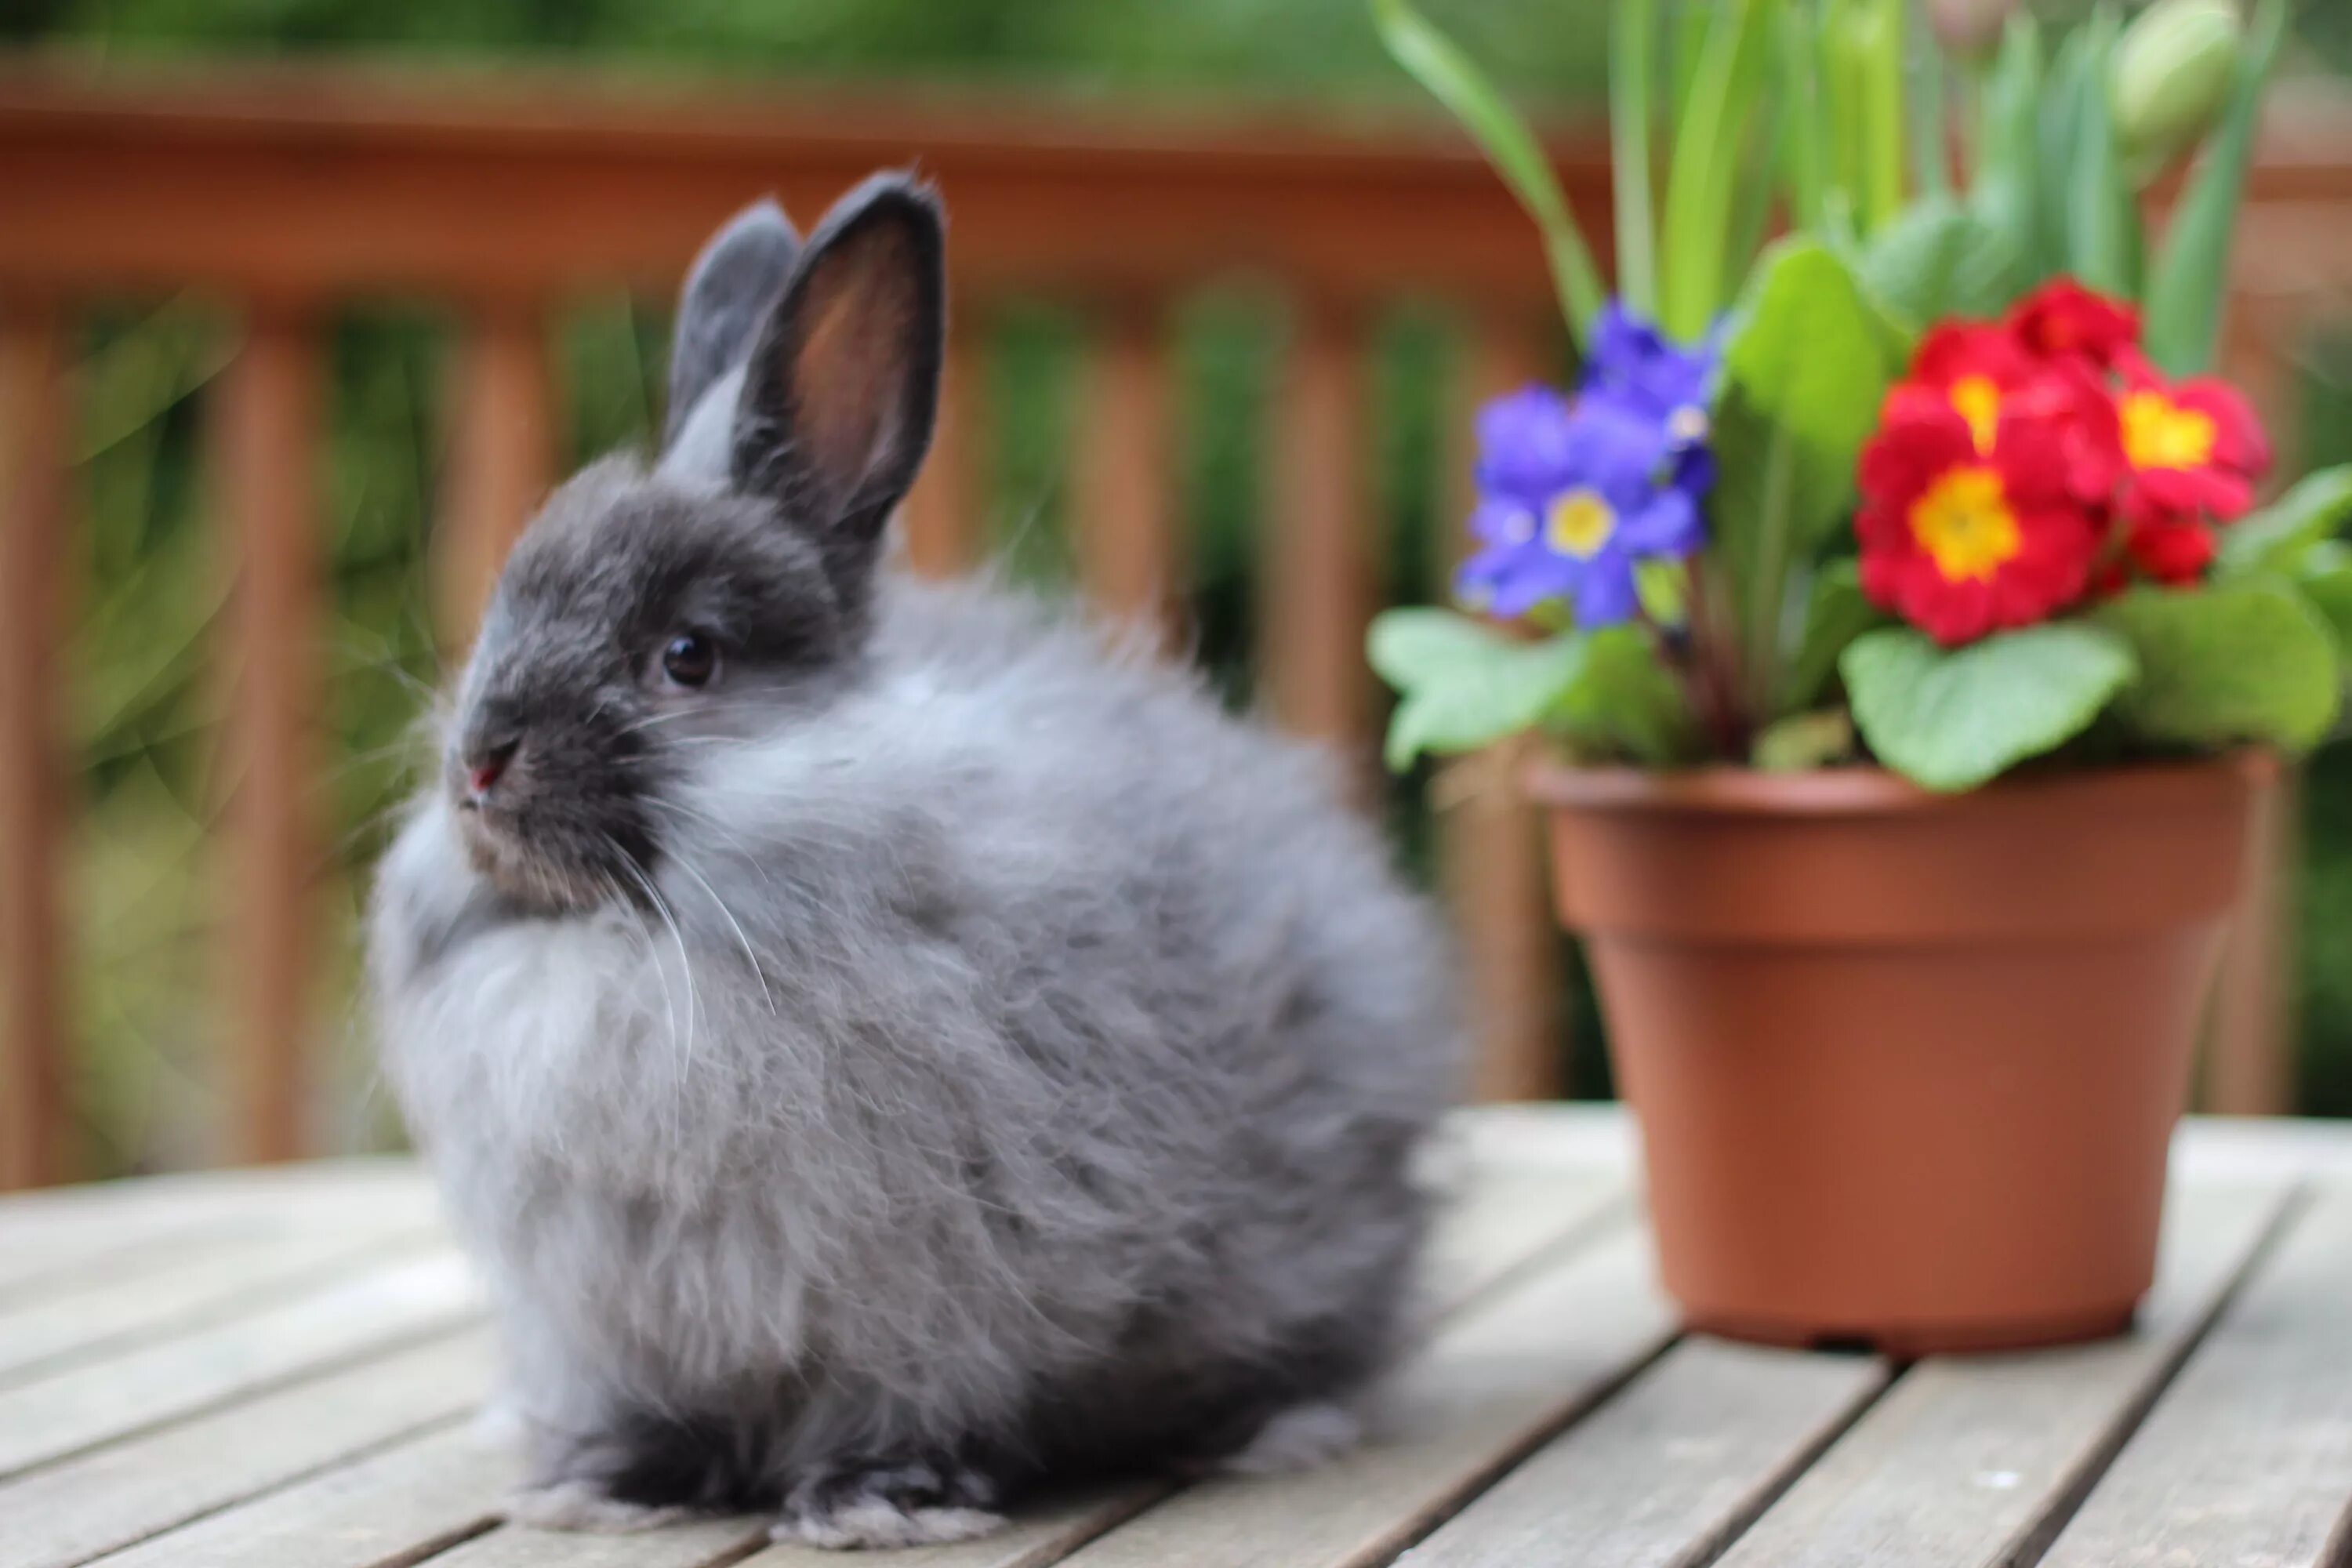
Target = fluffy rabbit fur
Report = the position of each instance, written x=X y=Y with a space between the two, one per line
x=888 y=1050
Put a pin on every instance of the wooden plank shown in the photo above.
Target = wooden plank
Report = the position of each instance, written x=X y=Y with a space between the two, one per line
x=50 y=1417
x=62 y=1330
x=111 y=1497
x=2247 y=1459
x=1129 y=560
x=391 y=1508
x=1490 y=1386
x=1493 y=846
x=1667 y=1472
x=1506 y=1220
x=501 y=459
x=267 y=455
x=1318 y=576
x=1975 y=1461
x=34 y=1108
x=941 y=517
x=95 y=1238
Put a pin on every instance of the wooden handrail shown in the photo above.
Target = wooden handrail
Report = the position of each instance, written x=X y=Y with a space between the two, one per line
x=286 y=193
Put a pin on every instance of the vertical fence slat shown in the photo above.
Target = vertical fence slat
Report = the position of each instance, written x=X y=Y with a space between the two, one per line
x=2251 y=1070
x=501 y=460
x=1320 y=540
x=1493 y=839
x=33 y=554
x=942 y=515
x=267 y=434
x=1126 y=524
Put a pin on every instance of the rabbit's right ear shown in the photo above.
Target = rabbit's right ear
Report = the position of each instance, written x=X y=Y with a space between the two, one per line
x=737 y=278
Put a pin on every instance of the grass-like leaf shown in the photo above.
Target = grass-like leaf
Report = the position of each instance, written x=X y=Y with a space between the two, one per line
x=1432 y=60
x=2183 y=306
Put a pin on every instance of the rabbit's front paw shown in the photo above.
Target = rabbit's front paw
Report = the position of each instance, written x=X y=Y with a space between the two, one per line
x=581 y=1506
x=916 y=1503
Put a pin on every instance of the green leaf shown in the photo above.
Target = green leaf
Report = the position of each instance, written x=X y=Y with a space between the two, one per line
x=2004 y=194
x=1804 y=373
x=1431 y=60
x=1835 y=613
x=2102 y=212
x=2185 y=291
x=1941 y=259
x=2324 y=575
x=1623 y=701
x=1951 y=718
x=2274 y=539
x=1803 y=741
x=2060 y=119
x=1702 y=182
x=1633 y=40
x=2239 y=661
x=1464 y=684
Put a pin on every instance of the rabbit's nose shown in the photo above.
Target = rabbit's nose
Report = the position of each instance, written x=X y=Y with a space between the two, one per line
x=486 y=762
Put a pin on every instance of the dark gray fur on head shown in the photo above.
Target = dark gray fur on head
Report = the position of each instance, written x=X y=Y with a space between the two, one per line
x=935 y=1055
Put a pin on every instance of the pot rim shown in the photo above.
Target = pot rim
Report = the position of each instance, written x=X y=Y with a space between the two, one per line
x=1722 y=789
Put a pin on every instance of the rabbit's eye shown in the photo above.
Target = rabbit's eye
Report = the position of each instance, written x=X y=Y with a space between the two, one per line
x=689 y=660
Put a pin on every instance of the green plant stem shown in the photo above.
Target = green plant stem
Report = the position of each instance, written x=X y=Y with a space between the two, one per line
x=1806 y=139
x=1931 y=131
x=1767 y=593
x=1631 y=71
x=1706 y=160
x=1878 y=53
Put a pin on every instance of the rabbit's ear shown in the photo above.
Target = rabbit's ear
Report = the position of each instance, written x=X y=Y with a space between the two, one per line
x=842 y=386
x=734 y=281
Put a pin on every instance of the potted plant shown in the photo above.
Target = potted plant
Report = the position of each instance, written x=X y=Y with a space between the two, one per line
x=1902 y=637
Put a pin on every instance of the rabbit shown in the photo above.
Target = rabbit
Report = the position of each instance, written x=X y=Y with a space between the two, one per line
x=889 y=1048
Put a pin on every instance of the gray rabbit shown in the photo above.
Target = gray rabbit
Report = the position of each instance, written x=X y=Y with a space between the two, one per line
x=888 y=1050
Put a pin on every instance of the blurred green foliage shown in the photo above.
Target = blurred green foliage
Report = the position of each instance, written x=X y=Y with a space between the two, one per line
x=145 y=685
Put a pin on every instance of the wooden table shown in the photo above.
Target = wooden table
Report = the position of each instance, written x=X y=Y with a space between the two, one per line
x=277 y=1368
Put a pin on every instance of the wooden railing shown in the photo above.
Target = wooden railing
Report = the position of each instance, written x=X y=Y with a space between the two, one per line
x=287 y=194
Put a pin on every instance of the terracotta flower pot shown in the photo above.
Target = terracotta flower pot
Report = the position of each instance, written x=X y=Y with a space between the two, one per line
x=1906 y=1065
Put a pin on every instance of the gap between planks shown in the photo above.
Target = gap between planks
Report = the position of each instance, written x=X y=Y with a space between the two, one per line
x=79 y=1408
x=1976 y=1461
x=2247 y=1456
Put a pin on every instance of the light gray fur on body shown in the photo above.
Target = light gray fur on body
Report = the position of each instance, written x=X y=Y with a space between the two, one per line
x=987 y=1062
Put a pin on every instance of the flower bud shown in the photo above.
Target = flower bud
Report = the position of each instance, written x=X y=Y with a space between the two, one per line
x=1969 y=28
x=2173 y=68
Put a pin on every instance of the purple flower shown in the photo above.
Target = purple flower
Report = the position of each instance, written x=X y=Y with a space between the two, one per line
x=1570 y=497
x=1633 y=364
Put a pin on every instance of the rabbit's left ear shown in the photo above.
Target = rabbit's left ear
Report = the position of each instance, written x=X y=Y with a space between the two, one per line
x=841 y=388
x=738 y=275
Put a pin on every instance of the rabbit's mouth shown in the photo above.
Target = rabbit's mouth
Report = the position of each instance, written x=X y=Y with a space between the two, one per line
x=552 y=868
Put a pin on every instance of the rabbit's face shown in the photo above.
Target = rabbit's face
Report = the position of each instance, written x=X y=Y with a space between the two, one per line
x=636 y=623
x=643 y=616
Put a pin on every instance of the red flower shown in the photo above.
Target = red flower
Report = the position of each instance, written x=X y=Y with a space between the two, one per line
x=2174 y=550
x=2190 y=448
x=1974 y=366
x=1961 y=542
x=2063 y=320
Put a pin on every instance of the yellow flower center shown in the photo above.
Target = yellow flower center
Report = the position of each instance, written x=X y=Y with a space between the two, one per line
x=1965 y=525
x=1579 y=524
x=1979 y=402
x=2160 y=433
